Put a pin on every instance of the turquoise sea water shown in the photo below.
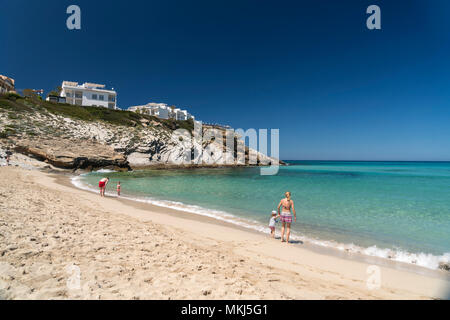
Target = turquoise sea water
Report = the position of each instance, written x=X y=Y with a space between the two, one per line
x=391 y=209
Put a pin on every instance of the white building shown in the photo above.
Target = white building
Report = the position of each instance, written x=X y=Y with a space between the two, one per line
x=180 y=114
x=56 y=99
x=89 y=94
x=162 y=110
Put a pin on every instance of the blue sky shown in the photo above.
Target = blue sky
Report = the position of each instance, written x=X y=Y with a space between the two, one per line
x=335 y=89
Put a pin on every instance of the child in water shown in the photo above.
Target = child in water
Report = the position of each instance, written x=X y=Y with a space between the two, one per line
x=118 y=189
x=272 y=221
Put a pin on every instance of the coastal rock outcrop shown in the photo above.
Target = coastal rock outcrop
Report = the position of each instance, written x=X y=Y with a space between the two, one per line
x=74 y=137
x=81 y=154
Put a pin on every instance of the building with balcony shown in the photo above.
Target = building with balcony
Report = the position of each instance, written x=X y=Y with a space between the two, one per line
x=88 y=94
x=162 y=111
x=56 y=99
x=6 y=84
x=179 y=114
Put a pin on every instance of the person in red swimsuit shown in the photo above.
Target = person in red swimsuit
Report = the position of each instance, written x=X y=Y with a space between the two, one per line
x=102 y=185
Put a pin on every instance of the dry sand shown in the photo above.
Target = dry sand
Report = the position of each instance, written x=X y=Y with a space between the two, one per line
x=49 y=230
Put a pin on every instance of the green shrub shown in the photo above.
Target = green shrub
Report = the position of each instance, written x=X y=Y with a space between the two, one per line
x=116 y=117
x=13 y=116
x=7 y=132
x=12 y=96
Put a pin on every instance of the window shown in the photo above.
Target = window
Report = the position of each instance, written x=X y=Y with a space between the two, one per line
x=94 y=97
x=101 y=98
x=78 y=94
x=111 y=98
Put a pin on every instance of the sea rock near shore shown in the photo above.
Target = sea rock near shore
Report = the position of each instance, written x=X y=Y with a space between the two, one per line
x=82 y=154
x=444 y=266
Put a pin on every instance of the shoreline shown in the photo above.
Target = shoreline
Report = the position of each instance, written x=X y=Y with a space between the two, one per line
x=330 y=247
x=323 y=250
x=271 y=270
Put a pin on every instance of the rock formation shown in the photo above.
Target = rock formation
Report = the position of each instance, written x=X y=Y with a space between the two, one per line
x=59 y=135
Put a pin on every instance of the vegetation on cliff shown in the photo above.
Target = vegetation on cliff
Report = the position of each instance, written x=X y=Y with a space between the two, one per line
x=17 y=105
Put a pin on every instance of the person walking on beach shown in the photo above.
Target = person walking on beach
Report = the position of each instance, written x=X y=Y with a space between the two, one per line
x=272 y=221
x=118 y=189
x=287 y=204
x=102 y=185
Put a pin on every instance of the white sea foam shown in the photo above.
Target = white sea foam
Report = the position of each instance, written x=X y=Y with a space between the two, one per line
x=104 y=171
x=426 y=260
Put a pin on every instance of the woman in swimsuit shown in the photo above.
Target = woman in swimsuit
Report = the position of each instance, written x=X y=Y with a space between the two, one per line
x=102 y=185
x=286 y=217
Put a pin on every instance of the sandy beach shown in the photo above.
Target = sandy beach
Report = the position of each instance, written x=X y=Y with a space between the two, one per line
x=50 y=230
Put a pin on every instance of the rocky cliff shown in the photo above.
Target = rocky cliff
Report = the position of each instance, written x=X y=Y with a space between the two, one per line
x=74 y=137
